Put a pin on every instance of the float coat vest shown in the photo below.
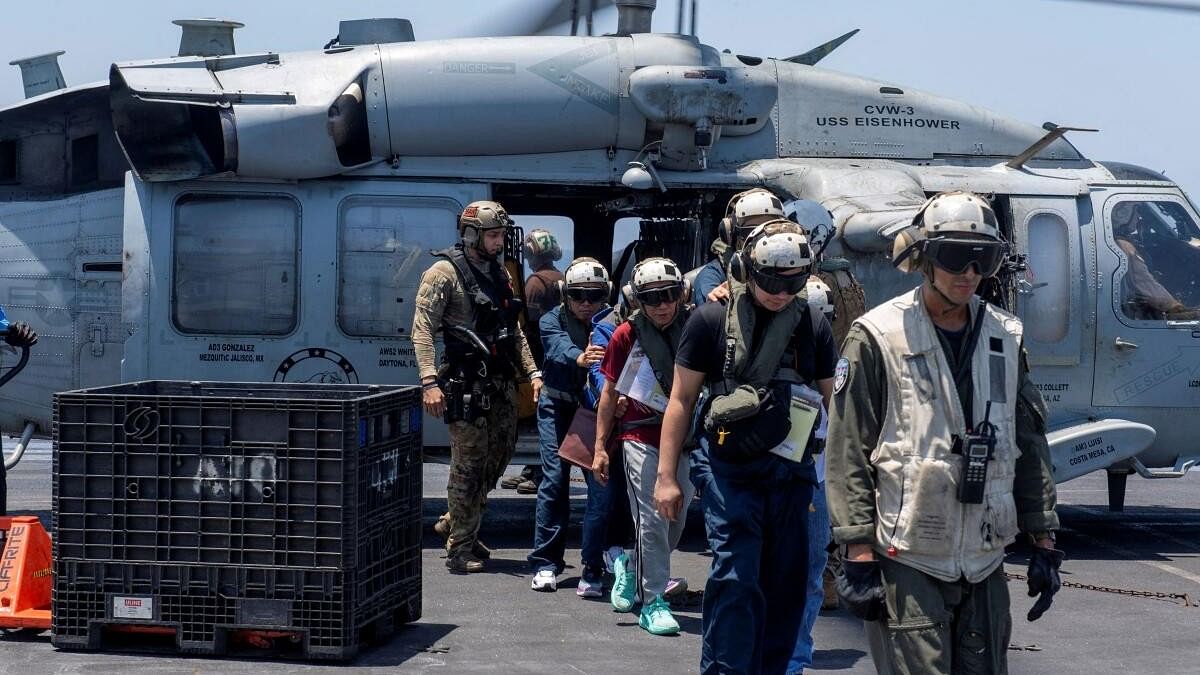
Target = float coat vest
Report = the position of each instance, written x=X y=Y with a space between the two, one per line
x=918 y=519
x=658 y=345
x=771 y=358
x=493 y=320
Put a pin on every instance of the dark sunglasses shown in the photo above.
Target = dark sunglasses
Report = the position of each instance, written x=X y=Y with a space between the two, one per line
x=658 y=296
x=957 y=255
x=774 y=284
x=587 y=295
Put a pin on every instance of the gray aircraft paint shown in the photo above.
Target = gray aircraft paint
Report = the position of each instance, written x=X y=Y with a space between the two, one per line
x=451 y=120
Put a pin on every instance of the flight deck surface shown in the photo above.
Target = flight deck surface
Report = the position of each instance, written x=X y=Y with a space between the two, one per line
x=494 y=623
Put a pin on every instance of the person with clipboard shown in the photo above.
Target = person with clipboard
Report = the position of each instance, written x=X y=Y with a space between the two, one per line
x=639 y=364
x=765 y=359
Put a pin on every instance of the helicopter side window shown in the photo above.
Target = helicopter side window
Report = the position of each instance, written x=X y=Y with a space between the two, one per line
x=384 y=245
x=1159 y=246
x=234 y=268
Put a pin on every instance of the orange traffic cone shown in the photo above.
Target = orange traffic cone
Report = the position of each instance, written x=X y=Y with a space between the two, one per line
x=25 y=573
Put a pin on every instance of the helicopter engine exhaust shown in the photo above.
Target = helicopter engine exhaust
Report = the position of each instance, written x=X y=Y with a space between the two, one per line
x=633 y=16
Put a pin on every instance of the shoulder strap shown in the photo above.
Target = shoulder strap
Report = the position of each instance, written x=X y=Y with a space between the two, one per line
x=458 y=259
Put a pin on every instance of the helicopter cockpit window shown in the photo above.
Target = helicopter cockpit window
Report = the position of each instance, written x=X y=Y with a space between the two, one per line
x=384 y=245
x=235 y=264
x=1159 y=245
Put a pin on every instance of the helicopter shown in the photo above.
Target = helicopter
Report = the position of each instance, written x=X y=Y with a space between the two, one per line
x=267 y=216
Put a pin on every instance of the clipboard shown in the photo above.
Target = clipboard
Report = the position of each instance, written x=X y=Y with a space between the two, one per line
x=579 y=445
x=804 y=413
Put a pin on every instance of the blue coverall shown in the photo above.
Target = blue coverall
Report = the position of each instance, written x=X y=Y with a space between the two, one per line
x=563 y=384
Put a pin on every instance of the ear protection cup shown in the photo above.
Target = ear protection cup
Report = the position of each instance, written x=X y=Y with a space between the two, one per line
x=738 y=268
x=725 y=231
x=906 y=250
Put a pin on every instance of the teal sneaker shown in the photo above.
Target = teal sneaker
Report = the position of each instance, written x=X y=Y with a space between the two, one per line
x=624 y=584
x=657 y=619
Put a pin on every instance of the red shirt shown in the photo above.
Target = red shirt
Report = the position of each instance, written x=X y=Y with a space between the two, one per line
x=615 y=356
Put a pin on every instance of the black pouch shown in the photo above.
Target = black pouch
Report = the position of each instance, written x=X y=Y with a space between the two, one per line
x=749 y=438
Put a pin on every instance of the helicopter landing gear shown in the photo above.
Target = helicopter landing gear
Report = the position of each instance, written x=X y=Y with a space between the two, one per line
x=1116 y=490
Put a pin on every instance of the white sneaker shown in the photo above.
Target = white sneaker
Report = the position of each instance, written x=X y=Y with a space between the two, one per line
x=610 y=555
x=544 y=580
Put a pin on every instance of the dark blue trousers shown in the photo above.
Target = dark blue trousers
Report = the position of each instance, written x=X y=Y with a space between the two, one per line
x=757 y=524
x=553 y=512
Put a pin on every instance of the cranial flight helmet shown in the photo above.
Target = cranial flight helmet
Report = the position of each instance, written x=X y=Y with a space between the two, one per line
x=953 y=230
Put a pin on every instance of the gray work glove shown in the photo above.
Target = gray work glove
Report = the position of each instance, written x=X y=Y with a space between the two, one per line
x=1043 y=579
x=860 y=586
x=20 y=335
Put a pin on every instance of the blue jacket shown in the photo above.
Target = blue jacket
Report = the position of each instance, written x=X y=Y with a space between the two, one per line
x=709 y=277
x=603 y=327
x=560 y=374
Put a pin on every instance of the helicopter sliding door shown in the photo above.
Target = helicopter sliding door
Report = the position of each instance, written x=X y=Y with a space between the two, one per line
x=1148 y=301
x=1052 y=299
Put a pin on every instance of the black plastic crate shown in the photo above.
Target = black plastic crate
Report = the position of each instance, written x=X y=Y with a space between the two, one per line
x=229 y=507
x=217 y=610
x=216 y=473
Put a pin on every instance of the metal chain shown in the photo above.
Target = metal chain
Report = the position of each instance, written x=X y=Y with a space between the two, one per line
x=1154 y=595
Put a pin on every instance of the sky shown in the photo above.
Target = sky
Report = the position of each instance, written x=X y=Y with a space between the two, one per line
x=1129 y=72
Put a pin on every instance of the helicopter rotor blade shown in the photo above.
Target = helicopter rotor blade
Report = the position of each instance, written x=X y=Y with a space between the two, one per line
x=1146 y=4
x=541 y=17
x=813 y=56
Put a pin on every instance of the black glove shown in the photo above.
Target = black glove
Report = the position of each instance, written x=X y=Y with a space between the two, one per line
x=21 y=335
x=1043 y=579
x=860 y=586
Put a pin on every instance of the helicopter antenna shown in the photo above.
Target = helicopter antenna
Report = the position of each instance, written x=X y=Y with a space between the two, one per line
x=695 y=5
x=814 y=55
x=1053 y=133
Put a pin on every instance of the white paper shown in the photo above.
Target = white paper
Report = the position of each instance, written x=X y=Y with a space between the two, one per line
x=637 y=381
x=806 y=410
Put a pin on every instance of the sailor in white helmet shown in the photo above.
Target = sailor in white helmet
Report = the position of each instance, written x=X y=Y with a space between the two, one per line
x=934 y=413
x=761 y=355
x=651 y=335
x=566 y=332
x=745 y=211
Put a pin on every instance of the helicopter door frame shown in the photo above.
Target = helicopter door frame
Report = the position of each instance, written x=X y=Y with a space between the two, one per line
x=1139 y=362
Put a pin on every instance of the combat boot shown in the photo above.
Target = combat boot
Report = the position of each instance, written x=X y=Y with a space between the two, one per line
x=464 y=562
x=478 y=549
x=442 y=527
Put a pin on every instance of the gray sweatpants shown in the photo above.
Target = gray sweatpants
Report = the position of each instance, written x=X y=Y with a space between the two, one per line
x=656 y=536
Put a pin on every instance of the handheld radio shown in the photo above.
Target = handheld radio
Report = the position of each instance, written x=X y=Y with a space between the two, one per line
x=978 y=448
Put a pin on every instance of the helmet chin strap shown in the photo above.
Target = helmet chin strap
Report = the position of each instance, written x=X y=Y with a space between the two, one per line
x=945 y=298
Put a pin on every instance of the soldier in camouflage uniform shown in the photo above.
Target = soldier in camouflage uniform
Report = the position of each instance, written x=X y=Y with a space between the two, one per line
x=468 y=296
